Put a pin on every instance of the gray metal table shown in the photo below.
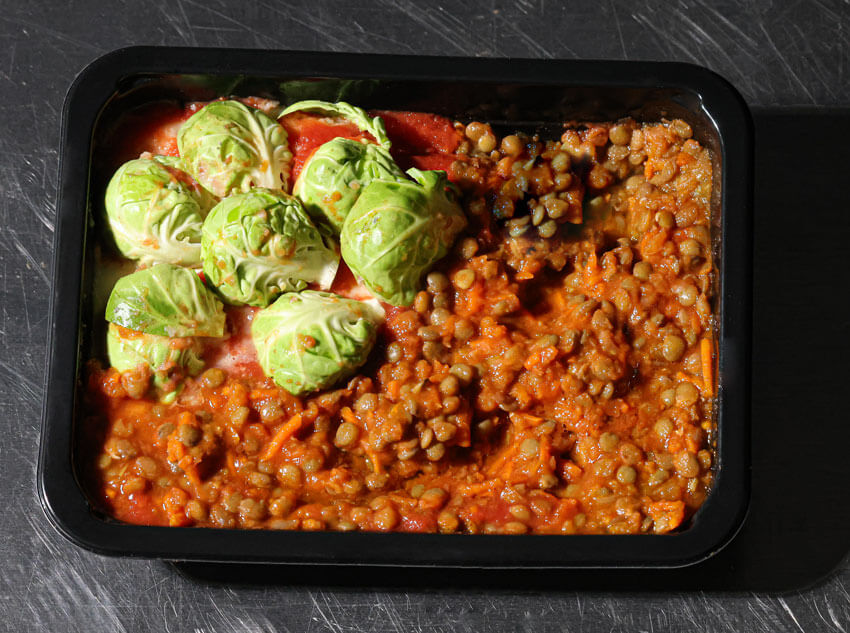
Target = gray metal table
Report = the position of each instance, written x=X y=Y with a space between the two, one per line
x=776 y=54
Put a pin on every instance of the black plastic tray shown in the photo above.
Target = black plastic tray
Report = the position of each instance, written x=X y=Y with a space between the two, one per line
x=522 y=94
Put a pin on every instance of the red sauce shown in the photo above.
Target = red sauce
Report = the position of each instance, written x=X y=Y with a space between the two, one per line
x=417 y=133
x=151 y=129
x=307 y=132
x=236 y=354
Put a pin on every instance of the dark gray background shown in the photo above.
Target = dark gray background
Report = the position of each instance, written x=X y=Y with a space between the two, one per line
x=775 y=53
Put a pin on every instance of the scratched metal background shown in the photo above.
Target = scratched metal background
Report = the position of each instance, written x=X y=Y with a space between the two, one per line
x=776 y=53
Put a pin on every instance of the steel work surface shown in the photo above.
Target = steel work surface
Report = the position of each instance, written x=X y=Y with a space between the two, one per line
x=771 y=578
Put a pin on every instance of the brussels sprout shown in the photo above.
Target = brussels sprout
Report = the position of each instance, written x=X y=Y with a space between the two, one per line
x=374 y=126
x=396 y=231
x=230 y=147
x=155 y=211
x=310 y=340
x=169 y=359
x=336 y=173
x=259 y=244
x=327 y=89
x=165 y=300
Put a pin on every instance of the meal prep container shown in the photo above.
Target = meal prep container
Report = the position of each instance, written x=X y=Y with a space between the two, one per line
x=528 y=95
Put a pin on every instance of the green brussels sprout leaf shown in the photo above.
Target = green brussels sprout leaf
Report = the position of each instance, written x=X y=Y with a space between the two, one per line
x=327 y=89
x=374 y=126
x=165 y=300
x=310 y=340
x=259 y=244
x=155 y=211
x=396 y=231
x=230 y=147
x=169 y=359
x=335 y=175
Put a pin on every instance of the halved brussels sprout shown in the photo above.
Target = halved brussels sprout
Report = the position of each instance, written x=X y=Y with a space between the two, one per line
x=230 y=147
x=165 y=300
x=156 y=210
x=335 y=175
x=396 y=231
x=170 y=360
x=372 y=125
x=310 y=340
x=259 y=244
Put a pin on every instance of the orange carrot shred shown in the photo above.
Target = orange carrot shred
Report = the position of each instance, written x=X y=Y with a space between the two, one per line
x=290 y=428
x=376 y=462
x=707 y=367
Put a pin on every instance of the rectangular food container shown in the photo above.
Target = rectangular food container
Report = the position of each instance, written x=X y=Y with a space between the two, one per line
x=512 y=94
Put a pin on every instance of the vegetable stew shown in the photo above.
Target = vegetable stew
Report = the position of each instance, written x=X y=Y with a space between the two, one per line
x=392 y=321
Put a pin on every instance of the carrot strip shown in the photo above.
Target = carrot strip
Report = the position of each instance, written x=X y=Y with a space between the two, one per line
x=502 y=458
x=191 y=469
x=348 y=415
x=376 y=463
x=290 y=428
x=474 y=489
x=259 y=393
x=707 y=367
x=525 y=420
x=545 y=452
x=506 y=471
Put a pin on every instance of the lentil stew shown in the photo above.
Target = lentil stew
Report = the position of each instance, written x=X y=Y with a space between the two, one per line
x=555 y=374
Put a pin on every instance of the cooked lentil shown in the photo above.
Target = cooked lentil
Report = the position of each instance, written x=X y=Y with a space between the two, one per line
x=553 y=376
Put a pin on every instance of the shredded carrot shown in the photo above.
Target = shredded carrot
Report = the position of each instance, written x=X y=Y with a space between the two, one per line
x=506 y=471
x=653 y=241
x=503 y=457
x=707 y=367
x=290 y=428
x=376 y=462
x=525 y=420
x=545 y=453
x=348 y=415
x=174 y=449
x=475 y=299
x=191 y=469
x=475 y=489
x=675 y=444
x=259 y=393
x=541 y=358
x=683 y=158
x=683 y=377
x=667 y=515
x=559 y=300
